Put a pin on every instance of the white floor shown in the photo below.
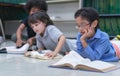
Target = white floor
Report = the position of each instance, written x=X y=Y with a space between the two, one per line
x=7 y=43
x=19 y=65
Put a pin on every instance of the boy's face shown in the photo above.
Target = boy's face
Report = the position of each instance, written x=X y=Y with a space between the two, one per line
x=33 y=10
x=38 y=27
x=82 y=24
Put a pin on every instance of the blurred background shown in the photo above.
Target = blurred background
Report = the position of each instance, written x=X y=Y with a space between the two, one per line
x=62 y=13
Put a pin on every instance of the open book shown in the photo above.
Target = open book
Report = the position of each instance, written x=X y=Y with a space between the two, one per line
x=41 y=55
x=75 y=61
x=14 y=50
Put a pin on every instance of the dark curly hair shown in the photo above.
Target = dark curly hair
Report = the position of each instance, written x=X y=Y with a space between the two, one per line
x=40 y=4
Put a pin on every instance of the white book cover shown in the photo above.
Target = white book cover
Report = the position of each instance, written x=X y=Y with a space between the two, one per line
x=14 y=50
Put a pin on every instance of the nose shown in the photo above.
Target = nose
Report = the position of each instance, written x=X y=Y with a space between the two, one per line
x=80 y=29
x=34 y=28
x=31 y=12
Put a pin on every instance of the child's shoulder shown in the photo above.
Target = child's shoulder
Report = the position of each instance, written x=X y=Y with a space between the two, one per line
x=104 y=34
x=51 y=27
x=101 y=34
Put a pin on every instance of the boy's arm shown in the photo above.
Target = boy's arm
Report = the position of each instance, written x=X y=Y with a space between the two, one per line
x=18 y=34
x=61 y=42
x=31 y=40
x=58 y=47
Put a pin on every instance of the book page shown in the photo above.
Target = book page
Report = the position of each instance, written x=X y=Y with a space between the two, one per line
x=100 y=65
x=13 y=49
x=35 y=54
x=41 y=55
x=75 y=61
x=72 y=58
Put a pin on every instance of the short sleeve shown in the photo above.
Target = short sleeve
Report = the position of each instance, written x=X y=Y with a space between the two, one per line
x=39 y=42
x=25 y=22
x=54 y=33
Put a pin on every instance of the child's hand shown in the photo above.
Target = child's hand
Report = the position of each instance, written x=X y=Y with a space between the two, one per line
x=19 y=43
x=30 y=41
x=51 y=54
x=27 y=53
x=88 y=33
x=91 y=32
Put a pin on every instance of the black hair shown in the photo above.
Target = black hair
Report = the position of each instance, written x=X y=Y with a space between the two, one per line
x=40 y=4
x=89 y=13
x=42 y=16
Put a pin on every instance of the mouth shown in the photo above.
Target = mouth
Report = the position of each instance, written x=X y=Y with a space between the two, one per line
x=82 y=32
x=36 y=31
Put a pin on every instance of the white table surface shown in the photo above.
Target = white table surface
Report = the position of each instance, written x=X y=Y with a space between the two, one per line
x=18 y=65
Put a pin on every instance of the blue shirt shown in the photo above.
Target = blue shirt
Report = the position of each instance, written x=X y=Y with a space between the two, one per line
x=99 y=47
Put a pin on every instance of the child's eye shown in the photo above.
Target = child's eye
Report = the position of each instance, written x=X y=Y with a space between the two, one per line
x=36 y=24
x=32 y=26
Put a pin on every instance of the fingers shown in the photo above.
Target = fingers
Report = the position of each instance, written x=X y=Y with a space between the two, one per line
x=50 y=55
x=84 y=36
x=91 y=31
x=47 y=54
x=30 y=41
x=27 y=53
x=19 y=43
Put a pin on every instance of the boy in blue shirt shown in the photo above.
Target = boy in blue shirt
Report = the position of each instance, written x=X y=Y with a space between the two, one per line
x=93 y=43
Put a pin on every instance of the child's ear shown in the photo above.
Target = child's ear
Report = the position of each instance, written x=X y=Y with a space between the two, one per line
x=94 y=24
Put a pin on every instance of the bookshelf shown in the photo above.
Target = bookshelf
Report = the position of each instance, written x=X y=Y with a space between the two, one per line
x=62 y=14
x=60 y=1
x=109 y=14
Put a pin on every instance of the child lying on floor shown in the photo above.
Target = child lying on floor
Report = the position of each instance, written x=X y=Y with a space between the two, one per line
x=93 y=43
